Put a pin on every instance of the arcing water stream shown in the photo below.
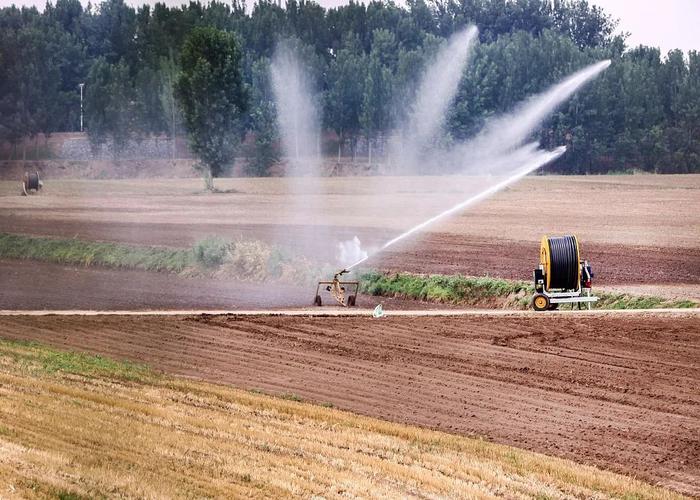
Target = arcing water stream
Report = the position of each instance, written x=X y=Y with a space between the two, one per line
x=297 y=113
x=537 y=160
x=497 y=150
x=435 y=93
x=505 y=132
x=491 y=151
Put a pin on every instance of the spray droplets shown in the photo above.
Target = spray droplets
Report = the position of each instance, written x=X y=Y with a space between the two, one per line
x=351 y=251
x=297 y=111
x=437 y=89
x=498 y=151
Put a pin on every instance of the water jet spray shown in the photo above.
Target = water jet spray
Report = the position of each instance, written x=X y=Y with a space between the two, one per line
x=542 y=159
x=496 y=147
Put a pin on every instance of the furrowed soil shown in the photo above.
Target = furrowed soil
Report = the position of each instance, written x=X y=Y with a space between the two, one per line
x=618 y=391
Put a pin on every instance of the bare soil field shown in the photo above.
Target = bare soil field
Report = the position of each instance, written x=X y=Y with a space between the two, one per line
x=29 y=285
x=634 y=229
x=620 y=392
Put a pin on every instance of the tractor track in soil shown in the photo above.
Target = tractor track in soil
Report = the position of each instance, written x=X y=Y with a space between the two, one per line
x=616 y=390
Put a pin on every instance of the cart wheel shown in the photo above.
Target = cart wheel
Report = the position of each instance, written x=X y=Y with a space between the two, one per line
x=317 y=301
x=553 y=307
x=351 y=301
x=540 y=302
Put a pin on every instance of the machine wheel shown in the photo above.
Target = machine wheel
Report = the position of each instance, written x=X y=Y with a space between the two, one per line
x=540 y=302
x=317 y=301
x=553 y=307
x=351 y=301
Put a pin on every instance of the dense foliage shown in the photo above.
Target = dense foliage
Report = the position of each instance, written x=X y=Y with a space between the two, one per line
x=213 y=97
x=643 y=112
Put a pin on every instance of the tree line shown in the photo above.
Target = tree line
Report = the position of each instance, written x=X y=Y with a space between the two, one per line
x=643 y=112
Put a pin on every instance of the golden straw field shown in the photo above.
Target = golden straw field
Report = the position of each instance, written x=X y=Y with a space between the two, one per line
x=144 y=434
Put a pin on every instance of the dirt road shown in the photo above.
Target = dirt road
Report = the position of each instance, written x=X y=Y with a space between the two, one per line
x=616 y=391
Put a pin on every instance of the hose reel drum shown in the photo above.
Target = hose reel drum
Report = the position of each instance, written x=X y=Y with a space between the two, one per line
x=31 y=183
x=562 y=277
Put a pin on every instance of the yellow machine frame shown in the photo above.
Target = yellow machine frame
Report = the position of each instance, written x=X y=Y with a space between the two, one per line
x=546 y=298
x=337 y=289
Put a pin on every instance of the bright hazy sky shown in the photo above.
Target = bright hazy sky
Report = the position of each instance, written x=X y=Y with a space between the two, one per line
x=667 y=24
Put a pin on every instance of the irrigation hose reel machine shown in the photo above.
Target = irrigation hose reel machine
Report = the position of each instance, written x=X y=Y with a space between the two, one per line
x=562 y=277
x=31 y=183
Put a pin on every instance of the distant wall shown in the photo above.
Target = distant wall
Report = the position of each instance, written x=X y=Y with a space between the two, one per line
x=76 y=146
x=98 y=169
x=69 y=155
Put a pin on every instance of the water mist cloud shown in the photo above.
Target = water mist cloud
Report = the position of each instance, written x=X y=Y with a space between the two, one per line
x=350 y=251
x=505 y=132
x=297 y=113
x=437 y=89
x=498 y=149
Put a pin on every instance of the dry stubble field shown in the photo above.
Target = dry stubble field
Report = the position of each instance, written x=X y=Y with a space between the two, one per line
x=616 y=390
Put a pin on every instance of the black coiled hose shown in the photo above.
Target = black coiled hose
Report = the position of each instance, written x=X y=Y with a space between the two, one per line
x=564 y=263
x=33 y=181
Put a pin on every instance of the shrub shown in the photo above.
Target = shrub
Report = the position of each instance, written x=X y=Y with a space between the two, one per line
x=212 y=251
x=248 y=260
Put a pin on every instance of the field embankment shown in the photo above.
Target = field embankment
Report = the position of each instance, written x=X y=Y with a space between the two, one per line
x=211 y=257
x=491 y=292
x=143 y=434
x=257 y=262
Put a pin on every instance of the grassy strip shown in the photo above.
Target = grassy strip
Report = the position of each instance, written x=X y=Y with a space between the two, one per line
x=39 y=359
x=626 y=301
x=453 y=289
x=212 y=257
x=89 y=253
x=465 y=290
x=258 y=262
x=86 y=435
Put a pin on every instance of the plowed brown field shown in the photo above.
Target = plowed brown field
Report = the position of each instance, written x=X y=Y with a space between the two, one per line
x=634 y=229
x=618 y=391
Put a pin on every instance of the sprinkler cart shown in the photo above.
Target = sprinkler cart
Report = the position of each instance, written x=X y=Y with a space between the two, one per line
x=337 y=289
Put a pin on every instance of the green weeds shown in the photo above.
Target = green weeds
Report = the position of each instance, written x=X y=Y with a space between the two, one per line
x=485 y=291
x=453 y=289
x=37 y=357
x=90 y=253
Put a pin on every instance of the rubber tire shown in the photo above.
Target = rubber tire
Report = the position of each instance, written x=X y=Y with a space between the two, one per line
x=317 y=301
x=541 y=307
x=351 y=301
x=553 y=307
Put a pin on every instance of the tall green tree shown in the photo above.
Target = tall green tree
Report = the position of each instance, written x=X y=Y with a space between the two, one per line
x=377 y=103
x=263 y=120
x=213 y=98
x=343 y=99
x=110 y=105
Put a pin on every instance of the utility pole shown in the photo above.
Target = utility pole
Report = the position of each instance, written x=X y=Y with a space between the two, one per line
x=81 y=85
